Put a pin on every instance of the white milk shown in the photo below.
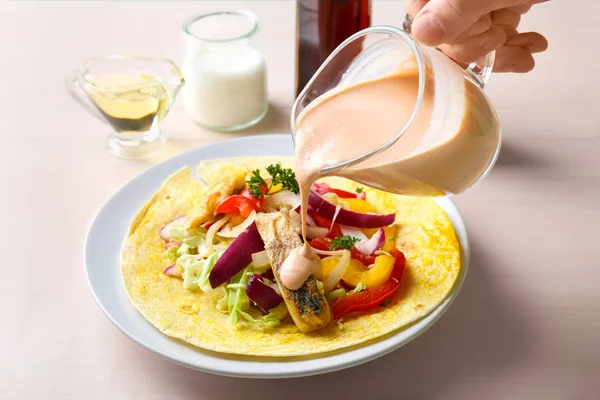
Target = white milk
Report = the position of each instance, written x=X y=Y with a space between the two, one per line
x=225 y=87
x=225 y=74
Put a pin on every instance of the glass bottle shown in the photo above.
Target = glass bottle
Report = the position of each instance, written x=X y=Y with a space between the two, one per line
x=322 y=26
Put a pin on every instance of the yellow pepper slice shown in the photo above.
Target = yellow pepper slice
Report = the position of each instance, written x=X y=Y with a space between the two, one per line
x=328 y=264
x=276 y=188
x=376 y=276
x=390 y=237
x=357 y=205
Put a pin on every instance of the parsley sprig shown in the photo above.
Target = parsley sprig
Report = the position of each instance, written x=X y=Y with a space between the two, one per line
x=284 y=176
x=346 y=242
x=360 y=189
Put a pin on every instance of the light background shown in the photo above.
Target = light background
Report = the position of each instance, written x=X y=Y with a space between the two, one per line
x=527 y=325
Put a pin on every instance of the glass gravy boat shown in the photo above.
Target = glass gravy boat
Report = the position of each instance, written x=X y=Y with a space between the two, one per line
x=448 y=142
x=132 y=95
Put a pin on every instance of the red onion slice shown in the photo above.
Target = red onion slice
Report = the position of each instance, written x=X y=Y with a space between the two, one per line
x=370 y=246
x=264 y=296
x=164 y=231
x=237 y=256
x=172 y=270
x=347 y=217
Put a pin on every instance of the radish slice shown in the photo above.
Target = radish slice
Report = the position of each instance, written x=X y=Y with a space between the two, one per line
x=172 y=244
x=237 y=256
x=361 y=195
x=172 y=270
x=338 y=271
x=164 y=231
x=370 y=246
x=353 y=232
x=264 y=296
x=347 y=217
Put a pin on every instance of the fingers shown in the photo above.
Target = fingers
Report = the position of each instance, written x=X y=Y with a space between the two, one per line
x=513 y=59
x=440 y=21
x=476 y=47
x=530 y=41
x=523 y=8
x=414 y=6
x=483 y=24
x=506 y=17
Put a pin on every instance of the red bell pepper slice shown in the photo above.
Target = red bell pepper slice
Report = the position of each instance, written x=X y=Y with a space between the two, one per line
x=259 y=202
x=372 y=298
x=237 y=203
x=323 y=222
x=323 y=188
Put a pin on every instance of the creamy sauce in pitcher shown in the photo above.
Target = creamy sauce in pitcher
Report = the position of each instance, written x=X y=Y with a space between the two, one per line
x=446 y=149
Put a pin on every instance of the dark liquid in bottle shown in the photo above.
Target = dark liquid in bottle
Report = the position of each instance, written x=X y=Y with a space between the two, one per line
x=324 y=25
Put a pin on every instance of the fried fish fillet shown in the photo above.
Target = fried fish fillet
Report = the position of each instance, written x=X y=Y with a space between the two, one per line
x=217 y=193
x=307 y=306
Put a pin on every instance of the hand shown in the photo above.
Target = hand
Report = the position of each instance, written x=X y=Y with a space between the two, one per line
x=467 y=30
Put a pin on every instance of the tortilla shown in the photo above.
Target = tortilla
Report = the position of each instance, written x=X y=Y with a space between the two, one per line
x=425 y=235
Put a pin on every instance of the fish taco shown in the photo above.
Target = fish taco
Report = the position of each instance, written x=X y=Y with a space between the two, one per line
x=203 y=257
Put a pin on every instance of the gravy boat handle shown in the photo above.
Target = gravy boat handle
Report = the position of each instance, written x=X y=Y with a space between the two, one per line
x=73 y=84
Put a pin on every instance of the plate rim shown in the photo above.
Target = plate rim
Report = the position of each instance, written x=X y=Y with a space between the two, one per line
x=295 y=368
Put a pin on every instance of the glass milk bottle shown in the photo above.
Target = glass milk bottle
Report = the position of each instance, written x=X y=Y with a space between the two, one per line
x=225 y=72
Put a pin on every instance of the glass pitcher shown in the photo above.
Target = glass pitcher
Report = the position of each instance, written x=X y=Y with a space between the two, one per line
x=449 y=138
x=132 y=95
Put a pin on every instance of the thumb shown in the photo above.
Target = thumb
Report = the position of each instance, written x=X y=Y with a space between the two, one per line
x=442 y=20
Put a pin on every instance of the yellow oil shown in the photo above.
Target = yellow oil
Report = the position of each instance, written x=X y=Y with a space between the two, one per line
x=130 y=102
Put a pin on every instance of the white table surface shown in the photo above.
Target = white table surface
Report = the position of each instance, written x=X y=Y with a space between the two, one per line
x=526 y=326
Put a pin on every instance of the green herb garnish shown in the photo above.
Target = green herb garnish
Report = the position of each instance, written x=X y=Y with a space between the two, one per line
x=359 y=288
x=284 y=176
x=346 y=242
x=335 y=294
x=360 y=189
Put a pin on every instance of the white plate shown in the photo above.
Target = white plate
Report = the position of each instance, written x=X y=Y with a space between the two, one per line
x=109 y=230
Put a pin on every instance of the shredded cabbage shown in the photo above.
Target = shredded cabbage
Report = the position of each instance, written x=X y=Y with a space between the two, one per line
x=269 y=321
x=196 y=270
x=196 y=241
x=171 y=253
x=179 y=233
x=238 y=300
x=202 y=276
x=191 y=265
x=184 y=249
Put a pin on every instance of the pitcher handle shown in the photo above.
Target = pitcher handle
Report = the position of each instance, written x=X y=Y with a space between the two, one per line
x=72 y=82
x=479 y=73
